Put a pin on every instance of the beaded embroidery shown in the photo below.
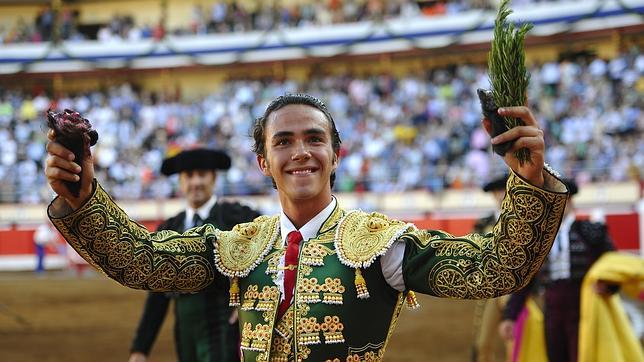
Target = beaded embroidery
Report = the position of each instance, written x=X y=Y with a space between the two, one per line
x=250 y=296
x=240 y=250
x=332 y=329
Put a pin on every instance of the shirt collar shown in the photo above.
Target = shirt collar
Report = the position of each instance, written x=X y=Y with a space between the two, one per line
x=311 y=228
x=203 y=211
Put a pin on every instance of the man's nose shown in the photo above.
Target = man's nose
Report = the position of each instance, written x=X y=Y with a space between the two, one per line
x=194 y=180
x=301 y=152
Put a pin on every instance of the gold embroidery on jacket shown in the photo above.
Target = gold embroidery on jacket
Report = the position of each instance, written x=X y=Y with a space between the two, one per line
x=370 y=352
x=308 y=291
x=240 y=250
x=281 y=349
x=274 y=261
x=180 y=246
x=313 y=254
x=284 y=326
x=528 y=225
x=301 y=312
x=308 y=331
x=138 y=259
x=394 y=320
x=331 y=221
x=332 y=291
x=267 y=301
x=360 y=237
x=332 y=330
x=250 y=297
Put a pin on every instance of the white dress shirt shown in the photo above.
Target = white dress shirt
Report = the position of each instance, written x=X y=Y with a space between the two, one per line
x=203 y=212
x=559 y=257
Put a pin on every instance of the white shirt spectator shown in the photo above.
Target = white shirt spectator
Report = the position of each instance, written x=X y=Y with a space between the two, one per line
x=45 y=234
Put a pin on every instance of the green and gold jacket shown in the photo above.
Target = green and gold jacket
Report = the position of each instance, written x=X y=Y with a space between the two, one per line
x=343 y=310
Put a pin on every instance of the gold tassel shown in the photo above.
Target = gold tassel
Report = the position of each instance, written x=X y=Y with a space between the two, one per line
x=361 y=285
x=234 y=293
x=412 y=302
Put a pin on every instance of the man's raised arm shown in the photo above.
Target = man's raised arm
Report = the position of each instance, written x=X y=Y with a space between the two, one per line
x=500 y=262
x=103 y=234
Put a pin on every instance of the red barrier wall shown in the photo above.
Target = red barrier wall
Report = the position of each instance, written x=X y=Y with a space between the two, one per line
x=13 y=241
x=623 y=228
x=19 y=241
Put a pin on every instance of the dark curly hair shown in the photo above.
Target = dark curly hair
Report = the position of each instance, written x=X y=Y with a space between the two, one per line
x=259 y=126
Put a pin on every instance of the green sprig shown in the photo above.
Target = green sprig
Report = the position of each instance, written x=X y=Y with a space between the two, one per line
x=506 y=67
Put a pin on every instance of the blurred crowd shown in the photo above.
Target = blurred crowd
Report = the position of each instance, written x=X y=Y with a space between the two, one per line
x=421 y=131
x=230 y=16
x=46 y=26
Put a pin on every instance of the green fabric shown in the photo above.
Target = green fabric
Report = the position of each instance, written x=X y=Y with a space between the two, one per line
x=194 y=335
x=362 y=332
x=483 y=266
x=366 y=321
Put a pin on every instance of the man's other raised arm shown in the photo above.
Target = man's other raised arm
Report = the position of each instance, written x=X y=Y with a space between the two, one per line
x=103 y=234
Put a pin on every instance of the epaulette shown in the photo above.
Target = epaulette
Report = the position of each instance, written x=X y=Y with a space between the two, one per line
x=362 y=237
x=240 y=250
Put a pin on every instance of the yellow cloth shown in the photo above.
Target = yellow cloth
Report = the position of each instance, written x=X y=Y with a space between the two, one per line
x=533 y=342
x=605 y=334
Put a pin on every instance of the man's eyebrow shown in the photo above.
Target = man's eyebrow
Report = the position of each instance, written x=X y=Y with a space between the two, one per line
x=310 y=131
x=315 y=131
x=282 y=134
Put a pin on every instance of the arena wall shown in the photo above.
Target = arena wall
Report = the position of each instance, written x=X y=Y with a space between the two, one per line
x=620 y=205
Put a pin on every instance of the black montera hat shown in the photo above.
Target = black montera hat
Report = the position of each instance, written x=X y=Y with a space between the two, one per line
x=497 y=184
x=571 y=185
x=196 y=159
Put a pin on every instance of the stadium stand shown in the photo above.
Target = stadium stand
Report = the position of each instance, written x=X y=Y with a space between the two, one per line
x=64 y=23
x=591 y=116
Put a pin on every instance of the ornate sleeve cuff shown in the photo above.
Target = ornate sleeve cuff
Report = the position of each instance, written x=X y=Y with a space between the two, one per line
x=104 y=235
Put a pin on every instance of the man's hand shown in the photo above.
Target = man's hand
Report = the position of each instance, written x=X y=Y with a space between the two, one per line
x=529 y=136
x=137 y=357
x=506 y=329
x=60 y=166
x=233 y=317
x=605 y=288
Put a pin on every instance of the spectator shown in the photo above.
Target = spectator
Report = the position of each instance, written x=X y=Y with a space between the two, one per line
x=45 y=235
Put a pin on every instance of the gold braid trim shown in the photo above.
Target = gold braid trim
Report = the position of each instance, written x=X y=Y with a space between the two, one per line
x=394 y=320
x=240 y=250
x=361 y=237
x=102 y=233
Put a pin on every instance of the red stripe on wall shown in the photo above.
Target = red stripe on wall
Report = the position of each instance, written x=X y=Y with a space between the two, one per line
x=623 y=228
x=13 y=241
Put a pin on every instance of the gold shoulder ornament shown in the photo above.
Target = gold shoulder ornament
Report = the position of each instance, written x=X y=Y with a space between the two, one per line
x=362 y=237
x=240 y=250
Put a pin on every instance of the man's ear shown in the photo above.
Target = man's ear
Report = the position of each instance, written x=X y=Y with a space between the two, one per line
x=336 y=159
x=263 y=165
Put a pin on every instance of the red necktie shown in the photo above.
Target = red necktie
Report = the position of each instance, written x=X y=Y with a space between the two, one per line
x=290 y=264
